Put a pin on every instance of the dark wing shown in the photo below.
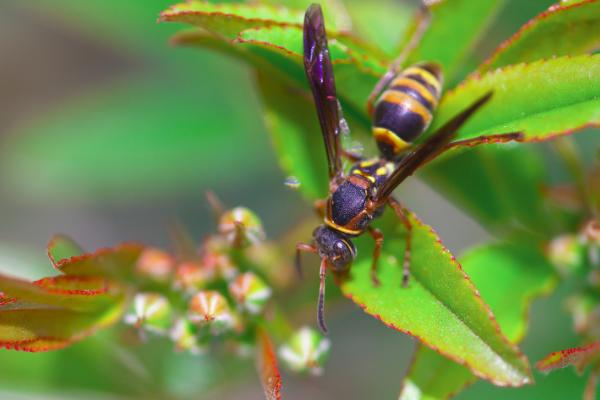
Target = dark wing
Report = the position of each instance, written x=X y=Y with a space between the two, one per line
x=427 y=150
x=317 y=65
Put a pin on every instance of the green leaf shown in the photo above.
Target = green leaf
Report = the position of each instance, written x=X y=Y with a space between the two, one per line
x=30 y=327
x=282 y=47
x=542 y=99
x=293 y=134
x=500 y=185
x=61 y=247
x=441 y=307
x=393 y=21
x=232 y=21
x=496 y=269
x=117 y=262
x=289 y=111
x=277 y=51
x=433 y=377
x=564 y=29
x=521 y=269
x=455 y=27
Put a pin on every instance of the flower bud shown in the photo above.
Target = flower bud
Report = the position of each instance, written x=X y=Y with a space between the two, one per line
x=241 y=227
x=566 y=253
x=592 y=232
x=192 y=276
x=306 y=351
x=155 y=264
x=250 y=292
x=216 y=260
x=183 y=334
x=150 y=311
x=210 y=307
x=586 y=313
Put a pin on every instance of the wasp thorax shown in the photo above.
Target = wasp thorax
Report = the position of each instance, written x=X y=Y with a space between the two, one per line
x=335 y=246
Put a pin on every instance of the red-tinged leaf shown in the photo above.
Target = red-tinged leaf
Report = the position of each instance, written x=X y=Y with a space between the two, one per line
x=74 y=285
x=70 y=292
x=496 y=269
x=564 y=29
x=117 y=262
x=266 y=364
x=590 y=387
x=61 y=247
x=579 y=357
x=29 y=327
x=542 y=99
x=4 y=299
x=276 y=51
x=441 y=307
x=230 y=19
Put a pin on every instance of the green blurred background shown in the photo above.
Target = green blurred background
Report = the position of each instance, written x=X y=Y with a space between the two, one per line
x=109 y=134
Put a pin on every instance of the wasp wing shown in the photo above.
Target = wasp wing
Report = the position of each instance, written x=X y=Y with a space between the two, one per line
x=428 y=150
x=319 y=71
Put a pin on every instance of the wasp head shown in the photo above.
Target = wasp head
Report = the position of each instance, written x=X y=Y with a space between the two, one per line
x=335 y=246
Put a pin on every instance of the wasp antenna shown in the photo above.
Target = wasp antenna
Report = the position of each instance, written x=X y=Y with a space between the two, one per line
x=300 y=247
x=321 y=302
x=298 y=263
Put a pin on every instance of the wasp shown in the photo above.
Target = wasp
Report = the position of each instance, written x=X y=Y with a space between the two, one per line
x=401 y=113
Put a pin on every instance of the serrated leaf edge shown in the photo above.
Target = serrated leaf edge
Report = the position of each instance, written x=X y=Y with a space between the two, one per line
x=528 y=378
x=98 y=253
x=51 y=245
x=553 y=9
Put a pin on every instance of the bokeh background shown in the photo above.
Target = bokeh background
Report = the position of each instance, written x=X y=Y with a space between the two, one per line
x=109 y=134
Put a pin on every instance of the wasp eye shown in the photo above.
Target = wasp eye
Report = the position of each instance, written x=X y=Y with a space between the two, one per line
x=342 y=254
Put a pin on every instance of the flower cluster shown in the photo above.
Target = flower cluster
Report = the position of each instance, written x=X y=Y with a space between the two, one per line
x=217 y=291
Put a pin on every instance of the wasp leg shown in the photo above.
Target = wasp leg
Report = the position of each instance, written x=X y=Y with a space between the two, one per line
x=377 y=235
x=423 y=18
x=300 y=247
x=320 y=207
x=321 y=302
x=352 y=157
x=400 y=212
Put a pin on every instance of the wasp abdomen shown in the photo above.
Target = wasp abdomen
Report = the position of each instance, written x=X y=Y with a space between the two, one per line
x=405 y=108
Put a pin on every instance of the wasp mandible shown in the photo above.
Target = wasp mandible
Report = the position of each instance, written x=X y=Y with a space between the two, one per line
x=402 y=112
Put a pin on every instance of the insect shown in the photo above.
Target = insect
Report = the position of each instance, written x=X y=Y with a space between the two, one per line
x=402 y=112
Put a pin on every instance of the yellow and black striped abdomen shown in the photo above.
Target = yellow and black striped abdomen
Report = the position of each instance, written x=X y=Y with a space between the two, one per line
x=405 y=108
